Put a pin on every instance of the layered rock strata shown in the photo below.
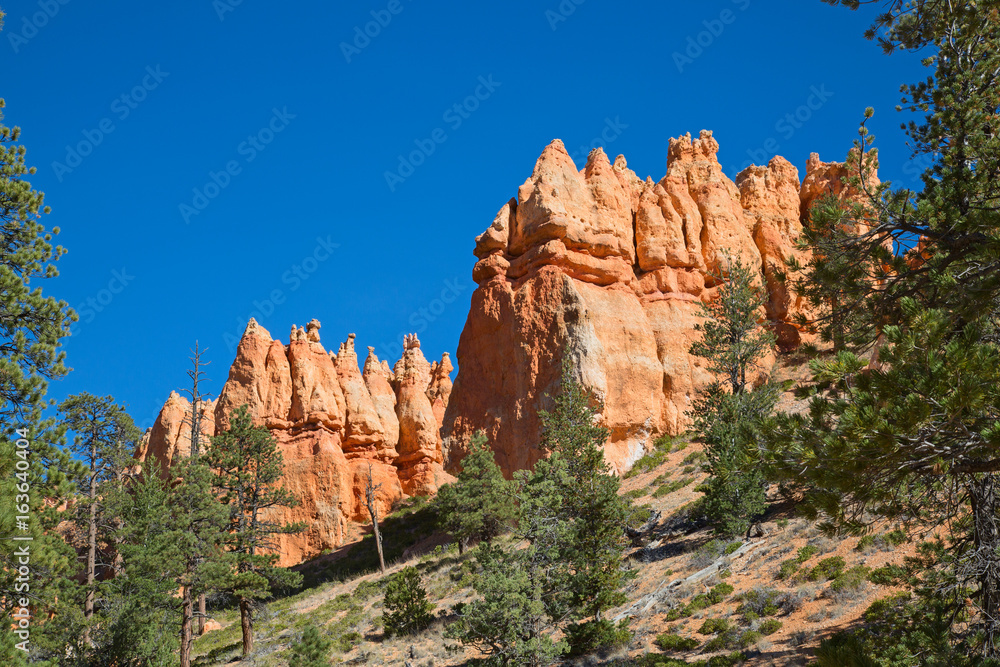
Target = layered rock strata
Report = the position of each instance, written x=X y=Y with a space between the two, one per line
x=609 y=269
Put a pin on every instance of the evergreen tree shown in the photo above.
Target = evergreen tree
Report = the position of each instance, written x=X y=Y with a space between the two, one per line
x=590 y=500
x=728 y=414
x=311 y=650
x=406 y=607
x=31 y=328
x=915 y=437
x=478 y=505
x=566 y=564
x=174 y=538
x=247 y=469
x=104 y=439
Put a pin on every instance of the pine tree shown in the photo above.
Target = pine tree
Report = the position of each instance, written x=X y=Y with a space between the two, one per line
x=105 y=438
x=479 y=504
x=174 y=538
x=311 y=650
x=598 y=514
x=406 y=607
x=915 y=437
x=34 y=325
x=728 y=414
x=247 y=469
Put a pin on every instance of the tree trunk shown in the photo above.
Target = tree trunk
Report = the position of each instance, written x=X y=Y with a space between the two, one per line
x=378 y=544
x=187 y=613
x=88 y=604
x=246 y=625
x=985 y=560
x=202 y=613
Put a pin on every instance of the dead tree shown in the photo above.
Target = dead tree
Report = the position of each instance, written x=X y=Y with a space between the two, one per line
x=370 y=500
x=197 y=397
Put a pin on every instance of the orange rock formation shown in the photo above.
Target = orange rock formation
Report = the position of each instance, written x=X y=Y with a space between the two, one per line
x=331 y=421
x=611 y=269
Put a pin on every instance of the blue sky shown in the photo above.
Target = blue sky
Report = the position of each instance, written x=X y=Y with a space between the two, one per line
x=209 y=160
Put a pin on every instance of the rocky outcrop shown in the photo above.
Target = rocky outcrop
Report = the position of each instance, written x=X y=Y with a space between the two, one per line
x=169 y=438
x=333 y=424
x=611 y=270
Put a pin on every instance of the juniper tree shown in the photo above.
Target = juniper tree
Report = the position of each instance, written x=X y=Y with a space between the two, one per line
x=479 y=504
x=247 y=469
x=915 y=438
x=405 y=602
x=728 y=413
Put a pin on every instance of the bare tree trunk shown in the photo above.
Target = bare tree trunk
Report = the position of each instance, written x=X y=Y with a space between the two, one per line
x=370 y=501
x=378 y=545
x=202 y=614
x=187 y=612
x=985 y=495
x=246 y=625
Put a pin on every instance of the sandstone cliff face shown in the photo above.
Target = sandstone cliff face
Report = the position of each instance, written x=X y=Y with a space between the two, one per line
x=609 y=269
x=331 y=422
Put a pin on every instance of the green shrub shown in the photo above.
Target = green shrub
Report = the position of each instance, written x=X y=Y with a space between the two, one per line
x=346 y=642
x=734 y=638
x=676 y=485
x=584 y=638
x=849 y=582
x=732 y=547
x=635 y=494
x=406 y=607
x=789 y=567
x=770 y=626
x=769 y=602
x=828 y=568
x=311 y=649
x=673 y=642
x=692 y=458
x=713 y=626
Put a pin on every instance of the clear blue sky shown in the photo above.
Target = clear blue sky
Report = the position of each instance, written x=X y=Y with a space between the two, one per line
x=308 y=129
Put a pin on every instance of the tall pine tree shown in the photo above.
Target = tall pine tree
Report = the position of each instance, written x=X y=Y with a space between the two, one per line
x=247 y=470
x=915 y=438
